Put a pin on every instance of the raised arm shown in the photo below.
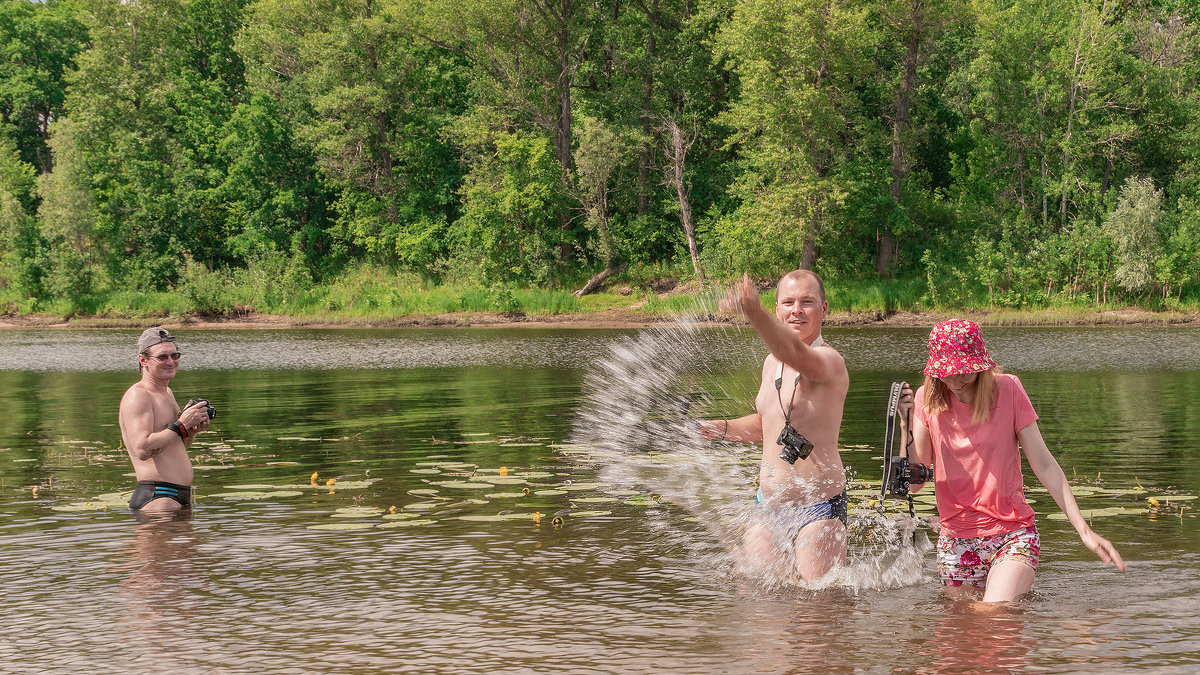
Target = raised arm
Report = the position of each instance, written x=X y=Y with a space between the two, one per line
x=1046 y=468
x=783 y=342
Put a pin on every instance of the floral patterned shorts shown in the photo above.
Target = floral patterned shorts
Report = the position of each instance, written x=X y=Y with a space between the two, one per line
x=967 y=560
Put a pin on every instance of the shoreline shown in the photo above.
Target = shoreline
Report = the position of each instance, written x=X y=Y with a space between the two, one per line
x=611 y=319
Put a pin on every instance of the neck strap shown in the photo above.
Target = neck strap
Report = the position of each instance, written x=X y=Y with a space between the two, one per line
x=787 y=412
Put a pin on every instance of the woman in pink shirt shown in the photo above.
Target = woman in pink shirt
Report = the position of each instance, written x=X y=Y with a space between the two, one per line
x=970 y=423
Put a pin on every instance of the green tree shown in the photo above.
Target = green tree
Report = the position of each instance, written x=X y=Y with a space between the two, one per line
x=600 y=150
x=22 y=248
x=38 y=44
x=274 y=201
x=512 y=200
x=1133 y=227
x=370 y=101
x=67 y=216
x=799 y=123
x=148 y=102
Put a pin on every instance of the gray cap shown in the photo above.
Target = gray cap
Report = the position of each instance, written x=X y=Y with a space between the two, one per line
x=153 y=336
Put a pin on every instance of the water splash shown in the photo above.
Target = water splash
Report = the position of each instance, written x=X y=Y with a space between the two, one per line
x=638 y=425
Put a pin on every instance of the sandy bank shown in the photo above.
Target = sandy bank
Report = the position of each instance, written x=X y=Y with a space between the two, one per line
x=605 y=319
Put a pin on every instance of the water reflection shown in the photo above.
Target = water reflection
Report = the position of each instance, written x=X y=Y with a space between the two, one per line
x=959 y=649
x=158 y=593
x=1108 y=349
x=246 y=585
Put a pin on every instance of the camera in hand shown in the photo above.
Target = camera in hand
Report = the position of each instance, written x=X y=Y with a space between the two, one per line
x=793 y=444
x=904 y=473
x=212 y=412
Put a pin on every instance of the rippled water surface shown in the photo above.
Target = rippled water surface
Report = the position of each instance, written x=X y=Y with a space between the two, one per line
x=426 y=555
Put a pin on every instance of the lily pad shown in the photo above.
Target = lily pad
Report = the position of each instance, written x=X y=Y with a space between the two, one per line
x=400 y=516
x=641 y=502
x=505 y=495
x=588 y=514
x=83 y=506
x=421 y=506
x=549 y=493
x=1174 y=498
x=405 y=523
x=574 y=487
x=498 y=517
x=464 y=485
x=254 y=494
x=594 y=500
x=343 y=526
x=1087 y=513
x=354 y=484
x=213 y=467
x=357 y=512
x=507 y=480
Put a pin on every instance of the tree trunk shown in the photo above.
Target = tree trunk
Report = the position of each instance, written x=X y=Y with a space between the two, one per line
x=809 y=256
x=646 y=156
x=566 y=73
x=677 y=157
x=594 y=282
x=900 y=120
x=1044 y=166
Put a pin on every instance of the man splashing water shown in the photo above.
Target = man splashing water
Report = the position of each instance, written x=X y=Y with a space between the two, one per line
x=802 y=485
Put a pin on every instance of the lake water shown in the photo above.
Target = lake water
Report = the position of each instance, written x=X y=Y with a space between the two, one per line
x=425 y=554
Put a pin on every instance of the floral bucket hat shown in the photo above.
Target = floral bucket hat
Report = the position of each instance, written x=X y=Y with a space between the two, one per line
x=956 y=348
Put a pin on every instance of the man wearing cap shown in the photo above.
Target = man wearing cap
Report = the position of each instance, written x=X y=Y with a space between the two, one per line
x=156 y=433
x=802 y=484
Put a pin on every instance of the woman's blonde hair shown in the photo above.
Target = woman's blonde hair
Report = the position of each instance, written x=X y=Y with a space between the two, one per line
x=937 y=395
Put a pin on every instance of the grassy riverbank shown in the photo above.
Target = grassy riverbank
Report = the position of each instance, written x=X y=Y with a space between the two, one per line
x=375 y=298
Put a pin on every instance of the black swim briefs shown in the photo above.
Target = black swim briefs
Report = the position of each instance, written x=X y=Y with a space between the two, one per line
x=149 y=490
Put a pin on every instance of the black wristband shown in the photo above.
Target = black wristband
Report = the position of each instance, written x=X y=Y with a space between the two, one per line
x=178 y=428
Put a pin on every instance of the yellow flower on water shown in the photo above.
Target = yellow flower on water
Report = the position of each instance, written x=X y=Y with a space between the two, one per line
x=1153 y=501
x=537 y=517
x=330 y=482
x=35 y=492
x=313 y=478
x=504 y=471
x=392 y=509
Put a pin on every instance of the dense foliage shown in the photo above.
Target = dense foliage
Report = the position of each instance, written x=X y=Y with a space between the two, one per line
x=1003 y=152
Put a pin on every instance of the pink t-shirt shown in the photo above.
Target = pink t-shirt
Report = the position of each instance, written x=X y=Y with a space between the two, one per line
x=977 y=467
